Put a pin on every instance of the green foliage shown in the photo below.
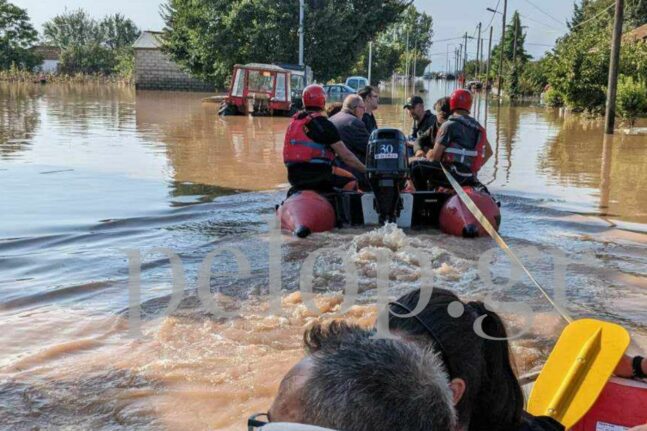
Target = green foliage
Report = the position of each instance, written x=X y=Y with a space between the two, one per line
x=72 y=29
x=553 y=99
x=509 y=44
x=118 y=31
x=632 y=98
x=90 y=46
x=390 y=51
x=207 y=37
x=534 y=77
x=515 y=57
x=578 y=66
x=17 y=35
x=90 y=59
x=125 y=63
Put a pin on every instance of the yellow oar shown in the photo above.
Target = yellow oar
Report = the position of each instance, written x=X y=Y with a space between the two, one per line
x=577 y=370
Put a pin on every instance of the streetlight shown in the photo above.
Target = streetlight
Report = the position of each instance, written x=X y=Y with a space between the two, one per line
x=489 y=9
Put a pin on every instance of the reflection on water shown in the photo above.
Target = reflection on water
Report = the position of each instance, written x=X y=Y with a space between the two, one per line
x=91 y=172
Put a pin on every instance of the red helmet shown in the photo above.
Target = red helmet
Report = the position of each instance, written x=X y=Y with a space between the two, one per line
x=314 y=96
x=460 y=99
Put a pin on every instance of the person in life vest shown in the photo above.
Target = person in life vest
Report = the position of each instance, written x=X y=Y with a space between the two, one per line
x=311 y=145
x=461 y=146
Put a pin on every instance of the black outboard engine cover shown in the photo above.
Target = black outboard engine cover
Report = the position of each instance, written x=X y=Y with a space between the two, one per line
x=387 y=168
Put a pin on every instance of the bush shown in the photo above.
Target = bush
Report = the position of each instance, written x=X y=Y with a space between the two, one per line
x=88 y=59
x=553 y=98
x=632 y=99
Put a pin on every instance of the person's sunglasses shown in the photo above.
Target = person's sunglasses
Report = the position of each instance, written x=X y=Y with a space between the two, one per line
x=254 y=423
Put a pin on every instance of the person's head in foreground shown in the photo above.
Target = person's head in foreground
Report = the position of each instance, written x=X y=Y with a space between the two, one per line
x=483 y=380
x=351 y=382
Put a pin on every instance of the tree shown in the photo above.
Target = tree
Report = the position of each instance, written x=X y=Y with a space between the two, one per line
x=17 y=35
x=70 y=29
x=389 y=48
x=636 y=13
x=118 y=31
x=515 y=27
x=514 y=55
x=92 y=47
x=578 y=15
x=207 y=37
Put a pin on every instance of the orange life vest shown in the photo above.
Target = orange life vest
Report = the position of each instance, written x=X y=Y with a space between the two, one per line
x=299 y=148
x=469 y=154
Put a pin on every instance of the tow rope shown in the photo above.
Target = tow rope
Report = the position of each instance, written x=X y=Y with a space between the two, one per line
x=476 y=212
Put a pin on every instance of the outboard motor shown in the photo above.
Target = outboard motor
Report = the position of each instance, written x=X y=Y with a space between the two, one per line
x=387 y=168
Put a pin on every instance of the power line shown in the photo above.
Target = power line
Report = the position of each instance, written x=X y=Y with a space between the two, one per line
x=595 y=17
x=541 y=23
x=545 y=13
x=496 y=9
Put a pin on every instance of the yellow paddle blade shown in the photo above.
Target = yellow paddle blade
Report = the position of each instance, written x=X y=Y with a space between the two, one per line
x=577 y=370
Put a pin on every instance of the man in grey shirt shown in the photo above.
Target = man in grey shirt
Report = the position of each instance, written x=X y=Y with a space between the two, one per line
x=353 y=132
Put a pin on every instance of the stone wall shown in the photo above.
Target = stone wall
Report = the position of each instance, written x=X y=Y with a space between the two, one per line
x=154 y=71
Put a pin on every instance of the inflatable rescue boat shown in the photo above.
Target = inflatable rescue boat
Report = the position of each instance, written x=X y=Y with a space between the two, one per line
x=306 y=212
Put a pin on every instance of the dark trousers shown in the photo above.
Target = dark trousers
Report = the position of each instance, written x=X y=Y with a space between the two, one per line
x=428 y=174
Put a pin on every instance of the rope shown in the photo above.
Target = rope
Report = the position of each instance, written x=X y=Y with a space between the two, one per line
x=476 y=212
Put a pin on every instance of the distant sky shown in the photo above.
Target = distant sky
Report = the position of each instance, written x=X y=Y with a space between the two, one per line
x=452 y=18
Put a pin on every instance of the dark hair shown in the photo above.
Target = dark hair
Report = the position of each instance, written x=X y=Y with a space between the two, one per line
x=442 y=106
x=333 y=109
x=365 y=92
x=357 y=383
x=493 y=400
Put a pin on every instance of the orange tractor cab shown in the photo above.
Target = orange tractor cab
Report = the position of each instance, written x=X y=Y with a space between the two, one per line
x=263 y=89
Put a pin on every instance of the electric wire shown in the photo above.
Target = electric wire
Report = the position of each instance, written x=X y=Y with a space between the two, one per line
x=545 y=13
x=595 y=17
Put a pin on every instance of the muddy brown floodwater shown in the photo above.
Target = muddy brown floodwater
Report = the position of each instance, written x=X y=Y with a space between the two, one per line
x=90 y=175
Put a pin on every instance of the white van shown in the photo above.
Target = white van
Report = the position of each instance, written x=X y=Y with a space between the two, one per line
x=356 y=82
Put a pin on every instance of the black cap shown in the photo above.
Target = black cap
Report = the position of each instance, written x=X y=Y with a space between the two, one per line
x=413 y=101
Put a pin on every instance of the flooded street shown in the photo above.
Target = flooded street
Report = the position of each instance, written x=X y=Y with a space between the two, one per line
x=92 y=177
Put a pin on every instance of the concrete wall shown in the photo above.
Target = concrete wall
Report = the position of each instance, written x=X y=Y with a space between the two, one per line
x=154 y=71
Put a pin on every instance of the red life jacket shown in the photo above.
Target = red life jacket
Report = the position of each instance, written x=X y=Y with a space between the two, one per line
x=469 y=154
x=299 y=148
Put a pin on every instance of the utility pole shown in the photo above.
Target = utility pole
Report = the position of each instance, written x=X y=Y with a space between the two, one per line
x=501 y=48
x=478 y=52
x=610 y=120
x=481 y=65
x=465 y=59
x=489 y=55
x=514 y=47
x=413 y=81
x=301 y=7
x=370 y=60
x=406 y=56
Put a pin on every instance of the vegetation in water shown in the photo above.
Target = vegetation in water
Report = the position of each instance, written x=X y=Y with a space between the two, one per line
x=577 y=68
x=632 y=99
x=89 y=46
x=91 y=50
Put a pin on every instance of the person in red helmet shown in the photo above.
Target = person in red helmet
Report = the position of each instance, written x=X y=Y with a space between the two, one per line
x=311 y=145
x=461 y=145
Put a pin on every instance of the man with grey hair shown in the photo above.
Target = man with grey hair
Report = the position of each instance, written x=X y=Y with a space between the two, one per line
x=353 y=131
x=352 y=382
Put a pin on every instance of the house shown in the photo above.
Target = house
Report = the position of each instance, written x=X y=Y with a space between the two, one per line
x=636 y=35
x=51 y=57
x=154 y=70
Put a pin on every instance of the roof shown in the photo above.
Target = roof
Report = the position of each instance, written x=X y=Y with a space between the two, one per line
x=264 y=66
x=47 y=52
x=148 y=40
x=637 y=34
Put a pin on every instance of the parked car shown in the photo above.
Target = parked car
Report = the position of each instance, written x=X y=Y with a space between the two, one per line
x=356 y=82
x=338 y=92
